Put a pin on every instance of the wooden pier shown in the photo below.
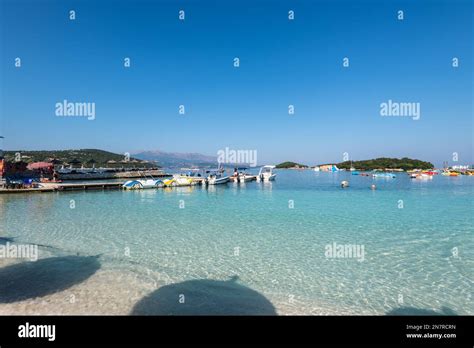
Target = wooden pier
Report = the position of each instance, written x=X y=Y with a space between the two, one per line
x=89 y=186
x=58 y=186
x=28 y=190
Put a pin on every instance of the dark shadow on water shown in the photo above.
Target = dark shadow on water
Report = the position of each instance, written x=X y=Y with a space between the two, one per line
x=205 y=297
x=420 y=311
x=43 y=277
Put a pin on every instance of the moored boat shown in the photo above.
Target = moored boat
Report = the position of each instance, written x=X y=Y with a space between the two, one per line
x=142 y=184
x=178 y=180
x=450 y=173
x=194 y=176
x=216 y=177
x=384 y=175
x=266 y=174
x=243 y=176
x=421 y=176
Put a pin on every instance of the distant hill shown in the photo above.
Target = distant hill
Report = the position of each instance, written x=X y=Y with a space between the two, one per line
x=100 y=157
x=389 y=163
x=288 y=165
x=176 y=159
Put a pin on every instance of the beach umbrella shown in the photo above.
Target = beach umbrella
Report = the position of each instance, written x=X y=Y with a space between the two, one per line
x=40 y=165
x=75 y=161
x=91 y=162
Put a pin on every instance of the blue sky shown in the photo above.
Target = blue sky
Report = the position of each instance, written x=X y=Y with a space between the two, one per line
x=283 y=62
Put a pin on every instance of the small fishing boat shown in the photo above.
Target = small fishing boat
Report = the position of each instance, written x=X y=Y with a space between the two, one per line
x=355 y=172
x=384 y=175
x=421 y=176
x=243 y=176
x=216 y=177
x=266 y=174
x=142 y=184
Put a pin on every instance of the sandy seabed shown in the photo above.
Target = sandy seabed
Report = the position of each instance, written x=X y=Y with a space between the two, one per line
x=117 y=292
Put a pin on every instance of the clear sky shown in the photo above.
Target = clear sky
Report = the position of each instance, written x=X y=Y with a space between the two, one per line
x=282 y=62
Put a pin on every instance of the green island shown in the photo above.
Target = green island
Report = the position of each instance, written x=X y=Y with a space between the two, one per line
x=386 y=163
x=87 y=157
x=290 y=165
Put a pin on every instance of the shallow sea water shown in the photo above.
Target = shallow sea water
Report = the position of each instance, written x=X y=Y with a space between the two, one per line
x=245 y=249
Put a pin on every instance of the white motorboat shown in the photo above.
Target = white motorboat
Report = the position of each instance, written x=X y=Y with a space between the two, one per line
x=384 y=175
x=266 y=174
x=422 y=176
x=216 y=177
x=243 y=176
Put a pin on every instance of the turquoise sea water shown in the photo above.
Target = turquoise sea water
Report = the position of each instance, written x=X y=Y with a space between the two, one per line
x=243 y=249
